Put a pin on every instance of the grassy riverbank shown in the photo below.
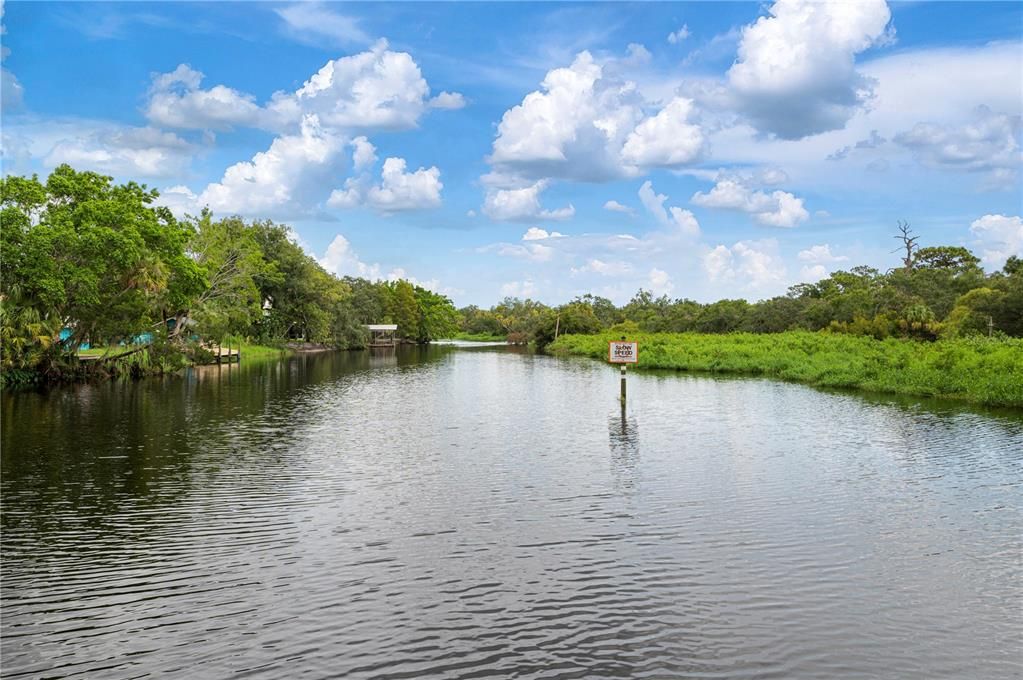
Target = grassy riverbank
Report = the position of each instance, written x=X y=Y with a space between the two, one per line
x=251 y=351
x=479 y=337
x=981 y=370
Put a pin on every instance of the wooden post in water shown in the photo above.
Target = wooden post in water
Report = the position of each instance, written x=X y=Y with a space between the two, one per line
x=623 y=378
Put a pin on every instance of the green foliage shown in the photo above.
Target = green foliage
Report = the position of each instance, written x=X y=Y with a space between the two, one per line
x=974 y=369
x=101 y=263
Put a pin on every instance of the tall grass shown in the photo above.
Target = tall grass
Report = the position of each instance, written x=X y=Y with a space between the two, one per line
x=982 y=370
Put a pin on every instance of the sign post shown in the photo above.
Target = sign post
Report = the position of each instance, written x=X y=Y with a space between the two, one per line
x=623 y=353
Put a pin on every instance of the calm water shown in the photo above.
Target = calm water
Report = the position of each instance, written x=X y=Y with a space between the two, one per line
x=452 y=513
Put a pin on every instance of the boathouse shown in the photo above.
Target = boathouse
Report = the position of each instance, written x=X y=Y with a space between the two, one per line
x=382 y=334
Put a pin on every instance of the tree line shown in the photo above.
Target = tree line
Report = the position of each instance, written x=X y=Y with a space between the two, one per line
x=90 y=263
x=87 y=262
x=939 y=292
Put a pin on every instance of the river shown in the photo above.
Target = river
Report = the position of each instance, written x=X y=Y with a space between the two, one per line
x=489 y=513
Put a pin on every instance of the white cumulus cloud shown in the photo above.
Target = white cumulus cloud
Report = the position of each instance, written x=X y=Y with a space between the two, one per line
x=796 y=74
x=666 y=139
x=522 y=204
x=397 y=191
x=676 y=37
x=123 y=151
x=755 y=265
x=988 y=142
x=777 y=209
x=284 y=178
x=176 y=100
x=615 y=206
x=586 y=123
x=538 y=234
x=660 y=282
x=447 y=100
x=998 y=237
x=820 y=254
x=673 y=218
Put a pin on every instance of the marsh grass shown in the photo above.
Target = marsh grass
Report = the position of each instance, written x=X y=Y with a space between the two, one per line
x=981 y=370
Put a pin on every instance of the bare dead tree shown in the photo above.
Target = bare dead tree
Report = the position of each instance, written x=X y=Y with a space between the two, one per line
x=908 y=244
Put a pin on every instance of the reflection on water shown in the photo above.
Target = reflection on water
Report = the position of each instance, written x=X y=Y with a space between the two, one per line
x=623 y=435
x=468 y=513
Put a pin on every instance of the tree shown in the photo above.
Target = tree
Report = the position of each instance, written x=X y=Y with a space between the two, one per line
x=908 y=246
x=98 y=258
x=437 y=316
x=230 y=259
x=404 y=310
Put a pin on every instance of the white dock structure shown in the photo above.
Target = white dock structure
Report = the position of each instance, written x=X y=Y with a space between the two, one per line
x=382 y=334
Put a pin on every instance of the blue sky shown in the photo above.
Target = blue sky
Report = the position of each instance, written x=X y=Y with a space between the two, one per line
x=545 y=150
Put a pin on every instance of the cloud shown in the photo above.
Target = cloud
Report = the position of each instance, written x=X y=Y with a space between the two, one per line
x=342 y=260
x=374 y=90
x=778 y=209
x=286 y=178
x=988 y=142
x=315 y=23
x=363 y=153
x=398 y=190
x=587 y=124
x=660 y=282
x=772 y=176
x=816 y=257
x=377 y=89
x=176 y=100
x=595 y=266
x=998 y=237
x=522 y=204
x=820 y=254
x=535 y=252
x=795 y=74
x=872 y=142
x=447 y=100
x=538 y=234
x=676 y=37
x=754 y=264
x=518 y=289
x=673 y=218
x=180 y=199
x=812 y=273
x=11 y=91
x=615 y=206
x=665 y=140
x=122 y=151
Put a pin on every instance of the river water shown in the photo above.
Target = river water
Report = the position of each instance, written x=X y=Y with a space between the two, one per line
x=490 y=513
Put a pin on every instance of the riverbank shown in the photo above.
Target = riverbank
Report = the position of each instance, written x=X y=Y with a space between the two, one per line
x=980 y=370
x=138 y=361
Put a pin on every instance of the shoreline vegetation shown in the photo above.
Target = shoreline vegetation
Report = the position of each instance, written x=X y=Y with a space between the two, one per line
x=88 y=263
x=986 y=371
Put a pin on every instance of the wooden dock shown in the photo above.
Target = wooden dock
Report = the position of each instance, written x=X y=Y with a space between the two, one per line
x=226 y=355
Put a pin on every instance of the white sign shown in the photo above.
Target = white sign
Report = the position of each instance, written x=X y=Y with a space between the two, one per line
x=623 y=352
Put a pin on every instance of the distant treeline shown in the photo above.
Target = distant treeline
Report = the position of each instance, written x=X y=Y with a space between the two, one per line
x=939 y=292
x=86 y=262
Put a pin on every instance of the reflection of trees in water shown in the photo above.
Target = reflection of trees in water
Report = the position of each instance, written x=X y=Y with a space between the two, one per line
x=623 y=438
x=103 y=448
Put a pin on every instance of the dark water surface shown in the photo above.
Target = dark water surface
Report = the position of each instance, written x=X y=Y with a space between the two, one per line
x=453 y=513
